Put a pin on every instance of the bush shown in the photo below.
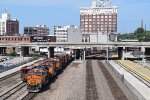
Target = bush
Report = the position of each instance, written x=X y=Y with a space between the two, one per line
x=35 y=57
x=13 y=53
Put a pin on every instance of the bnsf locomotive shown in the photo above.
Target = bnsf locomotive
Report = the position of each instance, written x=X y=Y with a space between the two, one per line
x=41 y=72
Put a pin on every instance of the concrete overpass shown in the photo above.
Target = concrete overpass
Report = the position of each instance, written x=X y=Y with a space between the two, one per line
x=50 y=45
x=82 y=44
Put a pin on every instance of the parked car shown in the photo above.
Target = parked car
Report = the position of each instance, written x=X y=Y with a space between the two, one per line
x=8 y=58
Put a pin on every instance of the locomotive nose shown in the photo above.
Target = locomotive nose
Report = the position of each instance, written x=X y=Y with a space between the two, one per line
x=34 y=80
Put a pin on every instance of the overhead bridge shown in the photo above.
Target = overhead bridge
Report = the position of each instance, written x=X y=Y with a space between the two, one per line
x=82 y=45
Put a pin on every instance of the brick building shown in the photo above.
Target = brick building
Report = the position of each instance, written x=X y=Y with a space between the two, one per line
x=8 y=27
x=12 y=27
x=42 y=30
x=23 y=39
x=101 y=17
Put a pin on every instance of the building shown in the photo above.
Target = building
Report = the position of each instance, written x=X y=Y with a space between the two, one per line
x=41 y=30
x=61 y=33
x=8 y=27
x=68 y=33
x=23 y=39
x=74 y=35
x=101 y=17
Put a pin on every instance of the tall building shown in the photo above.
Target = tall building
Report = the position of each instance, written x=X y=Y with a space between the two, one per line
x=61 y=33
x=7 y=26
x=42 y=30
x=68 y=33
x=101 y=17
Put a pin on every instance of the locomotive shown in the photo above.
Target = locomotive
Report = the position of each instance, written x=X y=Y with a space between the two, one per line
x=43 y=71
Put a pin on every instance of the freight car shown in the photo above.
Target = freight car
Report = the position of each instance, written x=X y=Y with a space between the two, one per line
x=38 y=77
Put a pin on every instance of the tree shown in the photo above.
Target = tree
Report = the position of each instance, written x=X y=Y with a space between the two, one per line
x=139 y=30
x=13 y=53
x=139 y=34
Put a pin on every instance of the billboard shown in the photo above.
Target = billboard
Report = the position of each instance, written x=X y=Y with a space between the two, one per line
x=42 y=39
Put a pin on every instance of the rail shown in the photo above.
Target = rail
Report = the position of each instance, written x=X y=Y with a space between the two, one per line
x=142 y=77
x=11 y=92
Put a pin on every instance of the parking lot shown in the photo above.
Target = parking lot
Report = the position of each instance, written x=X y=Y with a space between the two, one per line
x=7 y=63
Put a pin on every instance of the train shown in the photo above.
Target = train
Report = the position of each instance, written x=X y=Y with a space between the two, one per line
x=40 y=73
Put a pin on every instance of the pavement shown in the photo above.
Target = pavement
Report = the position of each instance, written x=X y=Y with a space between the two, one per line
x=16 y=60
x=3 y=74
x=137 y=68
x=135 y=85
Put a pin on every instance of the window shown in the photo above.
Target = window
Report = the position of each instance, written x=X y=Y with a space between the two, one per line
x=94 y=16
x=110 y=19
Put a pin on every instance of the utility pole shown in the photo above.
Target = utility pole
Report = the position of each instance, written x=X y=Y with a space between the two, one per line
x=97 y=33
x=107 y=45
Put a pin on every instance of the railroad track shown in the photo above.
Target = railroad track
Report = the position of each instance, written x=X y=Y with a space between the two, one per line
x=9 y=76
x=14 y=92
x=9 y=81
x=135 y=74
x=91 y=90
x=114 y=87
x=28 y=96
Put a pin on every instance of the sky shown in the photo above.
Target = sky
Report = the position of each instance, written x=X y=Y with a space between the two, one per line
x=67 y=12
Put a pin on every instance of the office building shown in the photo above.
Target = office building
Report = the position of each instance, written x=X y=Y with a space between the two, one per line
x=69 y=33
x=61 y=33
x=41 y=30
x=8 y=27
x=101 y=18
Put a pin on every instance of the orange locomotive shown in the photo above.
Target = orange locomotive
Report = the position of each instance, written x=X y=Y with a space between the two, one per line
x=38 y=77
x=26 y=69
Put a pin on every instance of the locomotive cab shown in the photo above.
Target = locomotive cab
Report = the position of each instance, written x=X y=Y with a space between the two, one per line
x=36 y=79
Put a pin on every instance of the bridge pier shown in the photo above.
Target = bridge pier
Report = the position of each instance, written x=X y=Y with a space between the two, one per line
x=143 y=49
x=50 y=52
x=24 y=51
x=84 y=54
x=121 y=53
x=2 y=50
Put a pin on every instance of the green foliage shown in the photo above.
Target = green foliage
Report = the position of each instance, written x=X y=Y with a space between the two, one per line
x=35 y=57
x=13 y=53
x=139 y=34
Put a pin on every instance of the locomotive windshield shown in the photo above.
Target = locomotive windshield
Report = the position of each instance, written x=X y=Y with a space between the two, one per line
x=30 y=73
x=38 y=73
